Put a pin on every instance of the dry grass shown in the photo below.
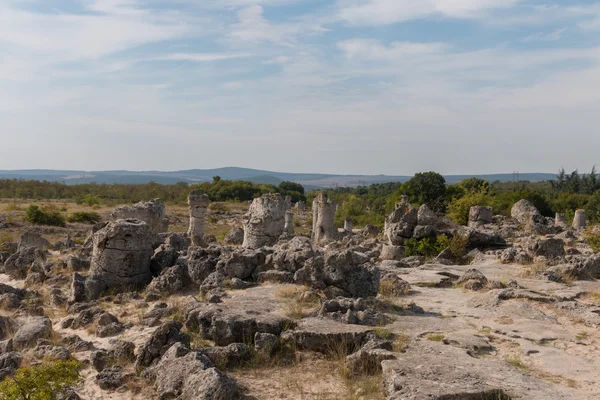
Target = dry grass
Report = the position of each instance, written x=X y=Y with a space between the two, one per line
x=401 y=340
x=532 y=270
x=435 y=337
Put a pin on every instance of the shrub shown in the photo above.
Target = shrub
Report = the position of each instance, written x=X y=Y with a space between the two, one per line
x=88 y=200
x=47 y=381
x=44 y=216
x=593 y=240
x=457 y=244
x=458 y=209
x=423 y=247
x=84 y=217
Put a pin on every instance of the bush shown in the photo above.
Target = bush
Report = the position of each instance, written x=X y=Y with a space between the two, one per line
x=457 y=244
x=592 y=239
x=426 y=188
x=88 y=200
x=84 y=217
x=424 y=247
x=44 y=216
x=458 y=209
x=47 y=381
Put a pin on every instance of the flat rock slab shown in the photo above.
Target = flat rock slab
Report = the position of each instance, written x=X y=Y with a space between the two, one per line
x=435 y=371
x=327 y=336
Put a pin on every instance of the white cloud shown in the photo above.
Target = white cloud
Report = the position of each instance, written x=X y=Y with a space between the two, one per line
x=372 y=49
x=383 y=12
x=202 y=57
x=254 y=27
x=277 y=60
x=545 y=37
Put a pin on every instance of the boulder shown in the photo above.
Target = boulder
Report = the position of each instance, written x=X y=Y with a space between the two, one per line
x=480 y=215
x=529 y=217
x=33 y=239
x=171 y=280
x=393 y=253
x=9 y=363
x=164 y=257
x=161 y=340
x=473 y=279
x=401 y=223
x=32 y=329
x=234 y=237
x=18 y=264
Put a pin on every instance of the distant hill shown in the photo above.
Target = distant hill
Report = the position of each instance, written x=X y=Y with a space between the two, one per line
x=310 y=181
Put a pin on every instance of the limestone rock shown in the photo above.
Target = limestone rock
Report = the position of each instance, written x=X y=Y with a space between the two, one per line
x=234 y=237
x=33 y=239
x=153 y=213
x=121 y=257
x=161 y=340
x=323 y=229
x=265 y=221
x=400 y=225
x=198 y=204
x=479 y=215
x=529 y=217
x=32 y=329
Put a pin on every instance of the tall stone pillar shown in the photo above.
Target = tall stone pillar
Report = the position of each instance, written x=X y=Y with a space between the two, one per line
x=323 y=225
x=289 y=223
x=579 y=221
x=198 y=203
x=348 y=225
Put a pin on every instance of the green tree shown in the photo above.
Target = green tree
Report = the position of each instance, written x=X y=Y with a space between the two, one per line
x=426 y=188
x=46 y=381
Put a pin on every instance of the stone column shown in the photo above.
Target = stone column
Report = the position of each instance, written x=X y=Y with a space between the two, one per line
x=348 y=225
x=265 y=221
x=560 y=220
x=300 y=206
x=323 y=213
x=198 y=203
x=289 y=223
x=579 y=221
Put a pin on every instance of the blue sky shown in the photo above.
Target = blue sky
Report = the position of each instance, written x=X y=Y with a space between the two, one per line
x=339 y=86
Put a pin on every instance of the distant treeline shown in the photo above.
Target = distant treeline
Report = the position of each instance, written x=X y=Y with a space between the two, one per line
x=565 y=194
x=92 y=193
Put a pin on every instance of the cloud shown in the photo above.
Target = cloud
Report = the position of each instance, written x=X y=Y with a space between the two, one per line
x=202 y=57
x=545 y=37
x=252 y=26
x=374 y=50
x=277 y=60
x=384 y=12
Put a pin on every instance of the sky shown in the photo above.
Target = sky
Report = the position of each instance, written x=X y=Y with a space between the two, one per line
x=332 y=86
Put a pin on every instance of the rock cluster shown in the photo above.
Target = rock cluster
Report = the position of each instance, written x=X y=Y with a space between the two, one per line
x=265 y=221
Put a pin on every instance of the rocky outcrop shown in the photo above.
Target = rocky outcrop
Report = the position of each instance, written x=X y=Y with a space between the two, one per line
x=399 y=226
x=161 y=340
x=529 y=217
x=265 y=221
x=25 y=259
x=31 y=330
x=152 y=213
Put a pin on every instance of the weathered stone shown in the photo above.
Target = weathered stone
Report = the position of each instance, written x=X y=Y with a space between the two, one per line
x=265 y=221
x=171 y=280
x=153 y=213
x=391 y=252
x=348 y=225
x=529 y=217
x=473 y=279
x=266 y=343
x=202 y=262
x=551 y=248
x=33 y=239
x=121 y=257
x=229 y=356
x=9 y=363
x=164 y=257
x=323 y=229
x=198 y=204
x=112 y=378
x=77 y=263
x=368 y=361
x=51 y=353
x=241 y=263
x=234 y=237
x=579 y=220
x=479 y=215
x=18 y=264
x=392 y=285
x=289 y=224
x=161 y=340
x=32 y=329
x=426 y=216
x=400 y=225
